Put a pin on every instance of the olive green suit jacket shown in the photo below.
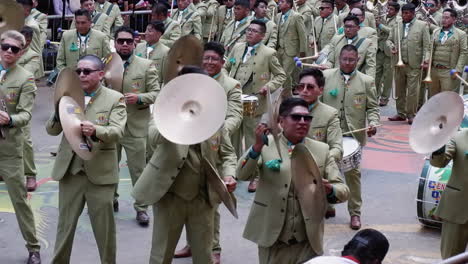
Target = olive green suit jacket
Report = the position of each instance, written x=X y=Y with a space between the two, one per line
x=168 y=159
x=292 y=35
x=231 y=35
x=158 y=56
x=265 y=70
x=172 y=32
x=324 y=30
x=113 y=12
x=191 y=21
x=41 y=19
x=98 y=45
x=271 y=35
x=140 y=77
x=235 y=109
x=18 y=89
x=267 y=217
x=325 y=127
x=383 y=32
x=452 y=205
x=211 y=13
x=458 y=52
x=101 y=22
x=223 y=19
x=358 y=101
x=107 y=112
x=31 y=61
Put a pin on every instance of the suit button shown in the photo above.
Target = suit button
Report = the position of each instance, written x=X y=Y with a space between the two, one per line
x=183 y=158
x=286 y=185
x=282 y=210
x=173 y=177
x=284 y=199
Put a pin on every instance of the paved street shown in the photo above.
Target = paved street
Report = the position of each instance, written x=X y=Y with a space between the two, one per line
x=390 y=178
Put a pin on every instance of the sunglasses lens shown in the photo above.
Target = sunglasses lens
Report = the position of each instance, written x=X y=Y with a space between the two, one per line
x=14 y=49
x=84 y=71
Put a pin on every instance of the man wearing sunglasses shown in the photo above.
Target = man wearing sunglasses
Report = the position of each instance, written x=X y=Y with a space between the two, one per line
x=140 y=88
x=83 y=40
x=91 y=182
x=325 y=24
x=325 y=125
x=434 y=14
x=280 y=221
x=100 y=21
x=369 y=20
x=172 y=29
x=189 y=19
x=17 y=91
x=353 y=94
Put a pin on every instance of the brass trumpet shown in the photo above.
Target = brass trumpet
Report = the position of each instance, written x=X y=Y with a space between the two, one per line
x=400 y=60
x=428 y=75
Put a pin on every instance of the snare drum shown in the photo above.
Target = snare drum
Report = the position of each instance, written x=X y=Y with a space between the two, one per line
x=352 y=154
x=431 y=186
x=250 y=104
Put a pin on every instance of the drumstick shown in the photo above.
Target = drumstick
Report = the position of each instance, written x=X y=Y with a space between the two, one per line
x=359 y=130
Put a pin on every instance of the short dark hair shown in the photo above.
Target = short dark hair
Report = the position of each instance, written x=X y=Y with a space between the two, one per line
x=243 y=3
x=161 y=8
x=191 y=69
x=25 y=2
x=82 y=1
x=452 y=12
x=367 y=245
x=316 y=73
x=157 y=25
x=394 y=5
x=352 y=2
x=27 y=32
x=83 y=12
x=288 y=104
x=216 y=47
x=353 y=18
x=258 y=2
x=290 y=2
x=124 y=29
x=260 y=23
x=331 y=2
x=349 y=47
x=95 y=60
x=408 y=7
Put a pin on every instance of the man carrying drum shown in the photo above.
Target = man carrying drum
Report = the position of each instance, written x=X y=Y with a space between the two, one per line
x=325 y=125
x=353 y=94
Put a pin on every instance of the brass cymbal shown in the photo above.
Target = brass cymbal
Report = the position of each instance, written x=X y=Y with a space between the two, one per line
x=68 y=83
x=436 y=122
x=187 y=50
x=190 y=109
x=71 y=115
x=218 y=185
x=11 y=16
x=114 y=71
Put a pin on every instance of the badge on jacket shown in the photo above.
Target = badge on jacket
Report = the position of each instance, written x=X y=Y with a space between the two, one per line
x=101 y=118
x=359 y=100
x=215 y=141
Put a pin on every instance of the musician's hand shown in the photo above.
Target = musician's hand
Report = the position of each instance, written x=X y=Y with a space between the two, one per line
x=231 y=183
x=454 y=75
x=4 y=118
x=371 y=131
x=394 y=50
x=260 y=131
x=327 y=186
x=302 y=54
x=87 y=128
x=263 y=90
x=425 y=65
x=131 y=98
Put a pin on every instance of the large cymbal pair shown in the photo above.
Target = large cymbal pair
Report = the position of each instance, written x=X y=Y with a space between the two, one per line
x=114 y=72
x=11 y=16
x=187 y=50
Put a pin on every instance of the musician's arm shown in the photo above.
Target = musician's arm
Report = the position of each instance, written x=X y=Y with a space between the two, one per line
x=105 y=47
x=463 y=58
x=442 y=157
x=25 y=103
x=372 y=107
x=152 y=87
x=118 y=17
x=107 y=27
x=61 y=63
x=234 y=110
x=335 y=137
x=115 y=128
x=247 y=165
x=273 y=37
x=197 y=26
x=384 y=28
x=340 y=191
x=278 y=76
x=33 y=65
x=331 y=54
x=392 y=38
x=228 y=155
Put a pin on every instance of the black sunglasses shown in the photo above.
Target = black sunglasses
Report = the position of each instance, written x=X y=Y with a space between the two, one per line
x=85 y=71
x=121 y=41
x=297 y=118
x=14 y=49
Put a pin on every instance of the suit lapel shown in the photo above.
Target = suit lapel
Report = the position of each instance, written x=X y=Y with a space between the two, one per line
x=238 y=58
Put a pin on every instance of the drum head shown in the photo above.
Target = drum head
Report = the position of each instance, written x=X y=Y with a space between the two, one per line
x=350 y=145
x=248 y=97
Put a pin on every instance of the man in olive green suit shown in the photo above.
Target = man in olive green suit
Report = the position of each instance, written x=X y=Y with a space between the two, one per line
x=353 y=94
x=172 y=29
x=384 y=68
x=89 y=181
x=292 y=40
x=341 y=7
x=415 y=48
x=224 y=16
x=235 y=31
x=306 y=12
x=325 y=25
x=209 y=23
x=100 y=21
x=188 y=18
x=153 y=49
x=112 y=11
x=81 y=41
x=452 y=205
x=280 y=220
x=140 y=88
x=369 y=20
x=435 y=14
x=271 y=34
x=449 y=52
x=257 y=68
x=30 y=61
x=41 y=19
x=17 y=91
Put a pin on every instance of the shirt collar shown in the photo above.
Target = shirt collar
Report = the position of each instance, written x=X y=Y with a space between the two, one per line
x=287 y=13
x=353 y=39
x=216 y=76
x=3 y=69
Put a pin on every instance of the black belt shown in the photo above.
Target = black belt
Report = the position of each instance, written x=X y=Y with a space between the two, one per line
x=440 y=66
x=292 y=241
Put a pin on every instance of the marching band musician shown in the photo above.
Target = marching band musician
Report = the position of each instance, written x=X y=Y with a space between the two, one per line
x=353 y=94
x=235 y=31
x=210 y=19
x=271 y=34
x=224 y=15
x=283 y=232
x=189 y=19
x=449 y=51
x=325 y=24
x=41 y=19
x=172 y=30
x=100 y=21
x=30 y=61
x=175 y=183
x=18 y=90
x=140 y=88
x=414 y=43
x=364 y=31
x=306 y=12
x=83 y=40
x=257 y=68
x=325 y=125
x=89 y=181
x=292 y=40
x=369 y=20
x=341 y=7
x=384 y=69
x=112 y=11
x=434 y=10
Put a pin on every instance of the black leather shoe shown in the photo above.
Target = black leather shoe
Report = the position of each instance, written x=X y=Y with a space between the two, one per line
x=142 y=218
x=116 y=206
x=34 y=258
